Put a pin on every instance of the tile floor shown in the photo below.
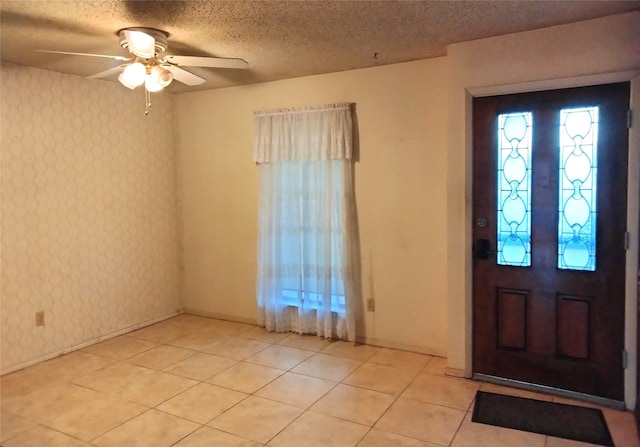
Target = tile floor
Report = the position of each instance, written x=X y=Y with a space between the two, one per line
x=192 y=381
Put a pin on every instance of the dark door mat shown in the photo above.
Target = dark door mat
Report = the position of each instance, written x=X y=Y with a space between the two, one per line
x=547 y=418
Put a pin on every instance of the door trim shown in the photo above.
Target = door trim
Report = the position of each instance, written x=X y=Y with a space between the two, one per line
x=633 y=254
x=633 y=197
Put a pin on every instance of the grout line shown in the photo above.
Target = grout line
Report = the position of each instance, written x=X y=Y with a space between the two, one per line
x=466 y=413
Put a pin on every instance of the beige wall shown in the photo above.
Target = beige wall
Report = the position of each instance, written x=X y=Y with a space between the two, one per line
x=400 y=183
x=89 y=229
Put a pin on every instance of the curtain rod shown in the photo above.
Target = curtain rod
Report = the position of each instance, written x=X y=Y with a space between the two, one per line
x=339 y=106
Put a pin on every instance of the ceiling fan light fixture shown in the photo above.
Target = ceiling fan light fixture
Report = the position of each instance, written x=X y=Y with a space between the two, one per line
x=133 y=75
x=124 y=82
x=151 y=84
x=163 y=76
x=141 y=44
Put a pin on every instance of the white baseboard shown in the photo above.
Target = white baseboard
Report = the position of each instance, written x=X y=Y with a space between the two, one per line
x=88 y=343
x=455 y=372
x=398 y=346
x=362 y=340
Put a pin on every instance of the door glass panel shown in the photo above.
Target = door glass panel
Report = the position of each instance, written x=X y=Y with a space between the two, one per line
x=514 y=189
x=577 y=199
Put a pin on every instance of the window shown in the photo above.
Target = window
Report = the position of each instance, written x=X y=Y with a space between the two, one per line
x=306 y=231
x=577 y=204
x=514 y=189
x=577 y=171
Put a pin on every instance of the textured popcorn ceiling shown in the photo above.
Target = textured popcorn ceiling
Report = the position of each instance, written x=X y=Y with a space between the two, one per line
x=280 y=39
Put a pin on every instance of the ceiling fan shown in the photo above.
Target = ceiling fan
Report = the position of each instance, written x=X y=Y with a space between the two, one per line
x=145 y=65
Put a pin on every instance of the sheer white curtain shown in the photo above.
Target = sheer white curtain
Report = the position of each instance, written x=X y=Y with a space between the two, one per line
x=307 y=236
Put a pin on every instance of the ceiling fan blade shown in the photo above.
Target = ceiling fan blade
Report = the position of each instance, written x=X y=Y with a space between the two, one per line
x=108 y=56
x=184 y=76
x=140 y=43
x=108 y=72
x=211 y=62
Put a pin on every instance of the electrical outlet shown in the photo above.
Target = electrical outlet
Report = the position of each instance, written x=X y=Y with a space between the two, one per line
x=371 y=305
x=40 y=318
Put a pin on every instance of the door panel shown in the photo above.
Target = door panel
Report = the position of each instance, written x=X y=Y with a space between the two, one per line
x=533 y=321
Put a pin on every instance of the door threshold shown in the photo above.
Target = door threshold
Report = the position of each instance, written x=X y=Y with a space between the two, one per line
x=511 y=383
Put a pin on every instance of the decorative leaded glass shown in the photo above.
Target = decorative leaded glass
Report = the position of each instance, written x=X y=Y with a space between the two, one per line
x=577 y=200
x=514 y=189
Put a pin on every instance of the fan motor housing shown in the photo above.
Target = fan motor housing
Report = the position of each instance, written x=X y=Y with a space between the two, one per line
x=161 y=43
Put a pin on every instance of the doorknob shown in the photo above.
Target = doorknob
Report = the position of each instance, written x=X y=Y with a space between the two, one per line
x=482 y=249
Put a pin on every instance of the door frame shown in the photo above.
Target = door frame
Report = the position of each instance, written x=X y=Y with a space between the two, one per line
x=633 y=222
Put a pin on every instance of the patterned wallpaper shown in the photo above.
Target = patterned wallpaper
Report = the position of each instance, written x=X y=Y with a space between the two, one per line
x=88 y=211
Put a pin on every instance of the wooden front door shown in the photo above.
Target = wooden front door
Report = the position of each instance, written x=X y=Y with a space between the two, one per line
x=549 y=207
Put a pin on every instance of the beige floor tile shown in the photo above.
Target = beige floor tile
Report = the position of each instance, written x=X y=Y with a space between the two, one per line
x=306 y=342
x=210 y=437
x=447 y=391
x=75 y=410
x=622 y=427
x=281 y=357
x=202 y=402
x=160 y=357
x=160 y=332
x=472 y=434
x=11 y=425
x=256 y=419
x=120 y=348
x=94 y=417
x=197 y=341
x=45 y=374
x=72 y=365
x=201 y=366
x=314 y=429
x=421 y=420
x=40 y=405
x=437 y=366
x=156 y=388
x=245 y=377
x=381 y=438
x=386 y=379
x=40 y=436
x=152 y=428
x=401 y=359
x=236 y=348
x=350 y=350
x=296 y=389
x=21 y=383
x=229 y=328
x=354 y=404
x=114 y=377
x=104 y=391
x=261 y=334
x=328 y=367
x=194 y=323
x=559 y=442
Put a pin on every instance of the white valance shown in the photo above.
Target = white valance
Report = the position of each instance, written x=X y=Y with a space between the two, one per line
x=312 y=133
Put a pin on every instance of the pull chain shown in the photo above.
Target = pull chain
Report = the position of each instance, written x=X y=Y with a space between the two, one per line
x=147 y=101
